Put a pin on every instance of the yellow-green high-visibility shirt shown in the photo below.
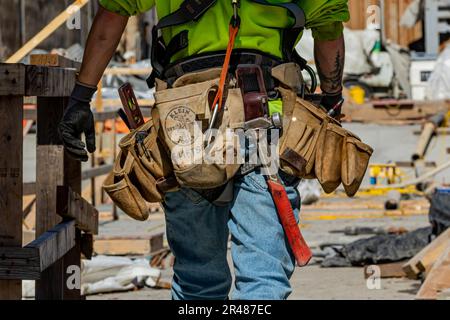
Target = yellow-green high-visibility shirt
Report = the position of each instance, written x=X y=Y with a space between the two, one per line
x=260 y=25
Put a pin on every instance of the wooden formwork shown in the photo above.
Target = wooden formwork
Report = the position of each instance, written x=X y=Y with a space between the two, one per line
x=62 y=216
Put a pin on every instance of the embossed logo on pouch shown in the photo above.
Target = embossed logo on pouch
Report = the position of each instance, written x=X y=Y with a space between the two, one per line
x=180 y=124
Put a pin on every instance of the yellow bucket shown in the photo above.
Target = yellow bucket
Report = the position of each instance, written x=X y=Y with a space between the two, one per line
x=358 y=94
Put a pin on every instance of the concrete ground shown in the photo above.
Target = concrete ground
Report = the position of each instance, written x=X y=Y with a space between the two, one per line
x=311 y=282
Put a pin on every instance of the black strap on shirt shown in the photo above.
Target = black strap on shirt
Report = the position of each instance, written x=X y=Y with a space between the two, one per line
x=193 y=10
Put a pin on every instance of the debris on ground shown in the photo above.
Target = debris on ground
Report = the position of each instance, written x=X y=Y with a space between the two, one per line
x=105 y=274
x=378 y=249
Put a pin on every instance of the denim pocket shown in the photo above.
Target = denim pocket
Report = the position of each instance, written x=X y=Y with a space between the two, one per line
x=257 y=180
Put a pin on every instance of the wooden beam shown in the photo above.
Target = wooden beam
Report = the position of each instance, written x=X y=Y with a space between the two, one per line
x=128 y=71
x=438 y=279
x=122 y=246
x=424 y=260
x=114 y=103
x=47 y=31
x=97 y=171
x=49 y=82
x=29 y=262
x=367 y=114
x=11 y=177
x=21 y=80
x=70 y=205
x=53 y=60
x=12 y=79
x=388 y=270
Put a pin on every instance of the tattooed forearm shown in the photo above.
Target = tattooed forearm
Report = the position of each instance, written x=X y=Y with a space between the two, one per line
x=330 y=59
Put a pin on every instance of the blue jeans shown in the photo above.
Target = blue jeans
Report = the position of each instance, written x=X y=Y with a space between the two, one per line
x=198 y=233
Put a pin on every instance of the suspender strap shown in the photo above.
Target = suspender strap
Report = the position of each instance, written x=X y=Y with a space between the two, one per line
x=190 y=10
x=293 y=8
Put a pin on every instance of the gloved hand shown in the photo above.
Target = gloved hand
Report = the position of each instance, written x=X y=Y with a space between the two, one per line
x=78 y=119
x=330 y=101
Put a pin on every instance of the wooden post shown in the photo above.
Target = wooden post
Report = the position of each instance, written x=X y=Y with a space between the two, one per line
x=54 y=168
x=11 y=184
x=12 y=90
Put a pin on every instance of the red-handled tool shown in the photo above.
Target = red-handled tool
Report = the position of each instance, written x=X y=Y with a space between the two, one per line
x=280 y=197
x=297 y=243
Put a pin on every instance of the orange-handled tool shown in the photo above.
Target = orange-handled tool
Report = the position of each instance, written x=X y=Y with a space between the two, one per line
x=295 y=238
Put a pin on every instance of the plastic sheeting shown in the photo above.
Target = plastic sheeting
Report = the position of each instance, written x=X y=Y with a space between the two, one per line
x=379 y=249
x=111 y=274
x=358 y=46
x=438 y=87
x=310 y=191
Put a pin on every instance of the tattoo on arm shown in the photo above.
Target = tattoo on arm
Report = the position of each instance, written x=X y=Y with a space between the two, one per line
x=330 y=59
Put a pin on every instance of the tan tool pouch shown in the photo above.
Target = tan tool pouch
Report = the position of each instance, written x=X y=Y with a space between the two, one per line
x=124 y=186
x=315 y=146
x=355 y=159
x=138 y=170
x=184 y=112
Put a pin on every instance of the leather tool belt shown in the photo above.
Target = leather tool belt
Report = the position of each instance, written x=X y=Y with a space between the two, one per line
x=162 y=155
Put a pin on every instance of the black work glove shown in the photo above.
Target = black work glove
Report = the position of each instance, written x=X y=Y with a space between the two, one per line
x=330 y=101
x=78 y=119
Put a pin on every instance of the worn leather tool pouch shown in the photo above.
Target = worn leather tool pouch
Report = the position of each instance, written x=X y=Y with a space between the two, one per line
x=184 y=113
x=316 y=146
x=142 y=172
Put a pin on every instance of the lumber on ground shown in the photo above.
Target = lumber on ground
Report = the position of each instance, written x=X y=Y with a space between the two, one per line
x=438 y=279
x=122 y=246
x=424 y=260
x=388 y=270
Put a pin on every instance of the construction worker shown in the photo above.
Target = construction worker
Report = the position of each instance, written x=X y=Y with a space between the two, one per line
x=197 y=229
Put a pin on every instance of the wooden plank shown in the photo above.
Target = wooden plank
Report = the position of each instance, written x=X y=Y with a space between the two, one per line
x=97 y=171
x=47 y=31
x=53 y=60
x=19 y=264
x=55 y=243
x=128 y=71
x=388 y=270
x=12 y=79
x=122 y=246
x=438 y=278
x=367 y=114
x=71 y=205
x=114 y=103
x=424 y=260
x=11 y=176
x=29 y=262
x=49 y=82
